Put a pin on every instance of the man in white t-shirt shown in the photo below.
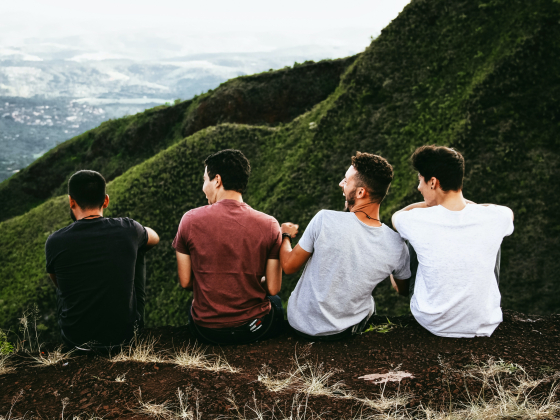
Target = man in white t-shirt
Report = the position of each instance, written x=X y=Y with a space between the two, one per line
x=456 y=241
x=346 y=254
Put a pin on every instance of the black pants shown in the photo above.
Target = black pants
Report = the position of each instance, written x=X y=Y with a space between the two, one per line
x=414 y=267
x=140 y=293
x=269 y=326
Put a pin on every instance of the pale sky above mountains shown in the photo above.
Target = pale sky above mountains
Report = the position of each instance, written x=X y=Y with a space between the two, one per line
x=142 y=29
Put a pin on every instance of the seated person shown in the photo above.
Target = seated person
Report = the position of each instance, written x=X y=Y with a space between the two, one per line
x=457 y=243
x=223 y=251
x=346 y=254
x=96 y=264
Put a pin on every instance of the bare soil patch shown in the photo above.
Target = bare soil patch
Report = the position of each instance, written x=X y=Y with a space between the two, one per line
x=98 y=386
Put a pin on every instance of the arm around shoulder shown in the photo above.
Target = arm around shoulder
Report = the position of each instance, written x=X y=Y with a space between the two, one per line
x=420 y=205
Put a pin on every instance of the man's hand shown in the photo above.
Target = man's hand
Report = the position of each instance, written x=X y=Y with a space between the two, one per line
x=290 y=228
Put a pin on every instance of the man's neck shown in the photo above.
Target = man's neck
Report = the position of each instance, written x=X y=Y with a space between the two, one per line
x=94 y=213
x=367 y=212
x=229 y=195
x=452 y=200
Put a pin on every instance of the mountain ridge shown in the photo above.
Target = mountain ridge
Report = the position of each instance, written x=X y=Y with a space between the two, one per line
x=481 y=77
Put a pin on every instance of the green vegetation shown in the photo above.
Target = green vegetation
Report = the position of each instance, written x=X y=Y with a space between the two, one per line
x=481 y=77
x=117 y=145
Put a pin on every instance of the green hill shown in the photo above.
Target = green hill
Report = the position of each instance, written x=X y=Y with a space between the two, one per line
x=478 y=76
x=269 y=98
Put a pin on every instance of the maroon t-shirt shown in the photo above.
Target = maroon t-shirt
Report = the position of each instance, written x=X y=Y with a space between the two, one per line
x=229 y=244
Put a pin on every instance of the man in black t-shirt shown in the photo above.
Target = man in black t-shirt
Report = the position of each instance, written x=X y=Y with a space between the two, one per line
x=97 y=265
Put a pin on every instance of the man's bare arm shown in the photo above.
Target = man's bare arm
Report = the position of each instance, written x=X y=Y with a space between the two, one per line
x=153 y=238
x=401 y=286
x=420 y=205
x=53 y=278
x=184 y=269
x=273 y=279
x=291 y=259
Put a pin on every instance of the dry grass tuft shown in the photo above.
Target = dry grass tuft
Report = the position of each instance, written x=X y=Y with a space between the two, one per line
x=159 y=411
x=220 y=364
x=48 y=358
x=142 y=351
x=5 y=364
x=191 y=357
x=121 y=378
x=383 y=403
x=279 y=382
x=256 y=411
x=305 y=377
x=314 y=380
x=180 y=411
x=195 y=357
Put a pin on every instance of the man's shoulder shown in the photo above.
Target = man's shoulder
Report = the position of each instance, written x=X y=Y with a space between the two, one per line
x=197 y=212
x=259 y=215
x=332 y=215
x=58 y=235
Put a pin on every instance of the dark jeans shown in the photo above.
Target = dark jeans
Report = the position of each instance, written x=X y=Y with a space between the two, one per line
x=349 y=332
x=140 y=292
x=414 y=267
x=269 y=326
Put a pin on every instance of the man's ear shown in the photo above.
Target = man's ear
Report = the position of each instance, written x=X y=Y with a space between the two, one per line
x=362 y=193
x=218 y=180
x=72 y=202
x=433 y=183
x=106 y=202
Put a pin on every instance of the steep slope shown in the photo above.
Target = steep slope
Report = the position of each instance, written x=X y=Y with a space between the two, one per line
x=269 y=98
x=482 y=77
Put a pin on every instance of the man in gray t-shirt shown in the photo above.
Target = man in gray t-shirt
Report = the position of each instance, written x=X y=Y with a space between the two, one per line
x=346 y=254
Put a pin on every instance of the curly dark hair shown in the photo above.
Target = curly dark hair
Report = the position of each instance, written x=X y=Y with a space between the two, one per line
x=232 y=166
x=88 y=189
x=443 y=163
x=374 y=174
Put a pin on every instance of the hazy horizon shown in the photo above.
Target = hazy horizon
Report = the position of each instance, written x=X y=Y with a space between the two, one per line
x=139 y=31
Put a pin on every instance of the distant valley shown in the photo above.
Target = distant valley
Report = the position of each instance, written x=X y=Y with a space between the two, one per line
x=49 y=97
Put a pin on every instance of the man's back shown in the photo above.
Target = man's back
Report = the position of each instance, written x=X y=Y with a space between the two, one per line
x=349 y=258
x=229 y=244
x=456 y=293
x=93 y=260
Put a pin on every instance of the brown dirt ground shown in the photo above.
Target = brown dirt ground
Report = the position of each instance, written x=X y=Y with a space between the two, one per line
x=88 y=382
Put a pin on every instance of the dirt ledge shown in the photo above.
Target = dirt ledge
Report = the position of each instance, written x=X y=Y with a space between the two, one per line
x=87 y=383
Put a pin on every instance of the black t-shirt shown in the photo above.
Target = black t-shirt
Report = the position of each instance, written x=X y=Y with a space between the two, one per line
x=93 y=260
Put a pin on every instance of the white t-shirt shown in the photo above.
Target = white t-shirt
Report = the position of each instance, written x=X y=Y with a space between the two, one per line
x=456 y=293
x=349 y=259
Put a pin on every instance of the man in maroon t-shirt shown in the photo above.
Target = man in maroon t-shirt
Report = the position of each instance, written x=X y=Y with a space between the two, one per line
x=228 y=254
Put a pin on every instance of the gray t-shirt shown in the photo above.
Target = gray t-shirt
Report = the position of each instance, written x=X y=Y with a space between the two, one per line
x=349 y=259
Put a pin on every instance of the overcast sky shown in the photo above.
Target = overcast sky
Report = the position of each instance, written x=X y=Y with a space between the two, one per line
x=199 y=26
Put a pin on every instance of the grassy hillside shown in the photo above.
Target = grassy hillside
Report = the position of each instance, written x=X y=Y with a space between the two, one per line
x=479 y=76
x=269 y=98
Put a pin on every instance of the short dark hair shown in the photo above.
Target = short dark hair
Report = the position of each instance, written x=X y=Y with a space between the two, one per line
x=88 y=189
x=232 y=166
x=443 y=163
x=374 y=174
